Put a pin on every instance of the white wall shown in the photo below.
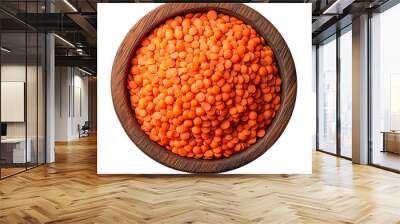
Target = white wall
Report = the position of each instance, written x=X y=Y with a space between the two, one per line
x=13 y=101
x=33 y=127
x=71 y=87
x=80 y=84
x=16 y=73
x=62 y=82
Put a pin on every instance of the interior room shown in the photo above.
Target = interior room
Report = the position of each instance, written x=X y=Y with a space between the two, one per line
x=22 y=103
x=48 y=150
x=32 y=100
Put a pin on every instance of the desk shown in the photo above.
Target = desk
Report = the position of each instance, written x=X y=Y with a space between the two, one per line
x=391 y=141
x=15 y=148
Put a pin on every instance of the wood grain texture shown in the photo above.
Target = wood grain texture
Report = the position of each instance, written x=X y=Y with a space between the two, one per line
x=126 y=114
x=70 y=191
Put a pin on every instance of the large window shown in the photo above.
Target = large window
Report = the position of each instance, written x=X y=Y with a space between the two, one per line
x=345 y=92
x=385 y=89
x=327 y=96
x=334 y=63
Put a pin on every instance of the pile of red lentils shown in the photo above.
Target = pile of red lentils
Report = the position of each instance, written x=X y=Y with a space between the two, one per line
x=204 y=85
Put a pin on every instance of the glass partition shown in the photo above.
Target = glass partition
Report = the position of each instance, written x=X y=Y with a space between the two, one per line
x=31 y=99
x=23 y=89
x=14 y=153
x=33 y=73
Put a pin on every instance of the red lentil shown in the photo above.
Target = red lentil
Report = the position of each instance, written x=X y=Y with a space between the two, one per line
x=204 y=86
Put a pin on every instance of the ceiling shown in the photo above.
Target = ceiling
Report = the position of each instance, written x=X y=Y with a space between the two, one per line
x=333 y=15
x=76 y=22
x=75 y=28
x=16 y=43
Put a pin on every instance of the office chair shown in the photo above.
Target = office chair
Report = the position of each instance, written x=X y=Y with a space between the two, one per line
x=84 y=130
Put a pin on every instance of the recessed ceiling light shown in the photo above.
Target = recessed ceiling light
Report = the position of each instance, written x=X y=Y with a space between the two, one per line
x=5 y=50
x=70 y=5
x=64 y=40
x=338 y=6
x=84 y=71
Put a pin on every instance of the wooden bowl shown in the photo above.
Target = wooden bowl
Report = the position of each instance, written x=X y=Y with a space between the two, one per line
x=126 y=115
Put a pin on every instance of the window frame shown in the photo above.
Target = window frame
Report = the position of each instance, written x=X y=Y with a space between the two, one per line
x=381 y=9
x=334 y=37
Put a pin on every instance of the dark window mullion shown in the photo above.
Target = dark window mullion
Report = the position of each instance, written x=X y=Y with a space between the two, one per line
x=45 y=87
x=338 y=98
x=37 y=90
x=26 y=87
x=317 y=95
x=369 y=96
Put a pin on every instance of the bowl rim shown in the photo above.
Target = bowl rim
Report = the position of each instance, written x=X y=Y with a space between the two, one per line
x=125 y=114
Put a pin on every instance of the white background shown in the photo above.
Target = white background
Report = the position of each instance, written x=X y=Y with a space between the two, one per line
x=291 y=154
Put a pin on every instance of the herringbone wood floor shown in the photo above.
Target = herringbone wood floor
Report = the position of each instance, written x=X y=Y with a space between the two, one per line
x=70 y=191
